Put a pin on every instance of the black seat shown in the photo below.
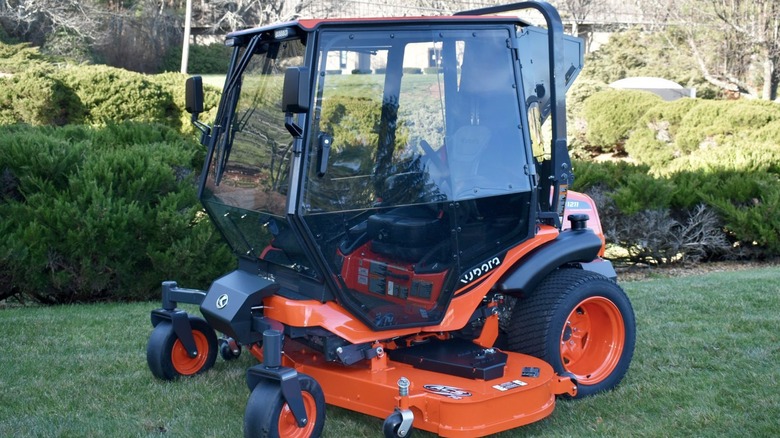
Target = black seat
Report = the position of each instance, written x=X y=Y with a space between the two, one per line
x=406 y=233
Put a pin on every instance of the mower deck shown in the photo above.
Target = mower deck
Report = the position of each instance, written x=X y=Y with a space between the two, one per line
x=445 y=404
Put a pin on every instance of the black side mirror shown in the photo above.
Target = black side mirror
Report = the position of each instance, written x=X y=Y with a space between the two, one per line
x=193 y=100
x=193 y=104
x=295 y=97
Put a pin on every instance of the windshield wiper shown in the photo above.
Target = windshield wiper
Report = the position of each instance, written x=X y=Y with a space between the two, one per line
x=226 y=143
x=233 y=90
x=271 y=55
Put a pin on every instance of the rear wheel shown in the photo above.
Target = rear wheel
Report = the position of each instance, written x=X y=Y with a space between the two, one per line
x=268 y=415
x=579 y=322
x=167 y=357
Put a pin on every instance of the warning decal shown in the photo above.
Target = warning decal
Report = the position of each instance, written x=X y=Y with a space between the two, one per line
x=510 y=385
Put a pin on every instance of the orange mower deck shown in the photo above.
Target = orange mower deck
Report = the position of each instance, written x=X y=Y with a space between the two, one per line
x=447 y=405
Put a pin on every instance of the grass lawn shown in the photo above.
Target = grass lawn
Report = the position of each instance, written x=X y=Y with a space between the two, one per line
x=707 y=363
x=217 y=81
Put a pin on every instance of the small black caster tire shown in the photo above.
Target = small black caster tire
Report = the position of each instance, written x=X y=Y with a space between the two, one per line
x=168 y=359
x=267 y=414
x=392 y=424
x=226 y=351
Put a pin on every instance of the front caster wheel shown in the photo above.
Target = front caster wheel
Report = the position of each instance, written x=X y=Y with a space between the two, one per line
x=391 y=428
x=267 y=413
x=582 y=324
x=229 y=349
x=167 y=357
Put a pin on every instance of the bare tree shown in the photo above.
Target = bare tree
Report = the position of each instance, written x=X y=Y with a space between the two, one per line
x=230 y=15
x=133 y=34
x=757 y=23
x=33 y=20
x=578 y=10
x=729 y=38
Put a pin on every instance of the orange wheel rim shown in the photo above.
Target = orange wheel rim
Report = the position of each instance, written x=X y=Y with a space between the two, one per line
x=592 y=340
x=288 y=427
x=183 y=363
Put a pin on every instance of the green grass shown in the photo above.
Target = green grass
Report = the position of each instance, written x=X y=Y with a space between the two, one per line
x=707 y=363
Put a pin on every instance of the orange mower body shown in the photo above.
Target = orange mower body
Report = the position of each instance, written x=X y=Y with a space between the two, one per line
x=407 y=244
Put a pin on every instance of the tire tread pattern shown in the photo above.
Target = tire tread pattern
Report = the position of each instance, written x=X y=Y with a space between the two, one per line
x=530 y=330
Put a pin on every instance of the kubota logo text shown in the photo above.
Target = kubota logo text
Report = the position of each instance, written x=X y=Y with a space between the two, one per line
x=479 y=271
x=448 y=391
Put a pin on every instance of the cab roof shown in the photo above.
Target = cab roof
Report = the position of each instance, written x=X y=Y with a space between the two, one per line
x=311 y=24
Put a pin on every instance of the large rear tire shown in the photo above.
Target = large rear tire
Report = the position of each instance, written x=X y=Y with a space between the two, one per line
x=582 y=324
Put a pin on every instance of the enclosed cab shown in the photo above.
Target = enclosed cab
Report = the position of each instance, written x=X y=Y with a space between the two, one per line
x=401 y=169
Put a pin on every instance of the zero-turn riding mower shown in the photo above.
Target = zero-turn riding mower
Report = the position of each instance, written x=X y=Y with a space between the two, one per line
x=407 y=245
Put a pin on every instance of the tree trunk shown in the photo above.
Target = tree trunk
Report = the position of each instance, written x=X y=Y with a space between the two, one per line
x=769 y=91
x=185 y=48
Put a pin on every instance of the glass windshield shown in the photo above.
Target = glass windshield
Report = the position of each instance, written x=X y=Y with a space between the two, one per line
x=426 y=175
x=248 y=177
x=415 y=129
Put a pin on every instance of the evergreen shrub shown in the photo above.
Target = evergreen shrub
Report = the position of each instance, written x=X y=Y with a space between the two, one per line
x=754 y=222
x=18 y=58
x=203 y=59
x=646 y=147
x=113 y=95
x=173 y=84
x=102 y=214
x=612 y=115
x=576 y=123
x=36 y=98
x=748 y=202
x=97 y=95
x=710 y=123
x=579 y=92
x=611 y=174
x=656 y=236
x=354 y=121
x=653 y=140
x=688 y=215
x=641 y=191
x=707 y=135
x=769 y=132
x=734 y=154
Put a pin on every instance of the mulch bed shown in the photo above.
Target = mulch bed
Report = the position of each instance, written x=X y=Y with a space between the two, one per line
x=642 y=272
